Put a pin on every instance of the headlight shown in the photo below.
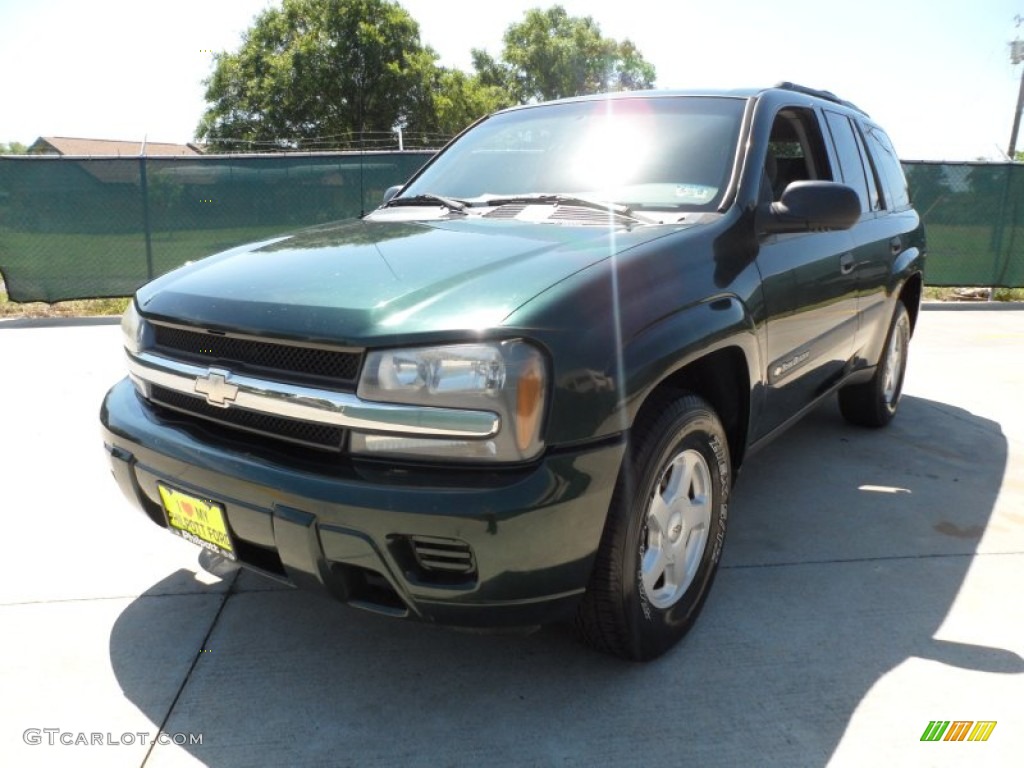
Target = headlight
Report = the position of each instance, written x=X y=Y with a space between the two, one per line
x=131 y=328
x=508 y=378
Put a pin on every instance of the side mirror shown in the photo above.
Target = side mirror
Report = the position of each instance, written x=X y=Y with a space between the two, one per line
x=809 y=206
x=391 y=192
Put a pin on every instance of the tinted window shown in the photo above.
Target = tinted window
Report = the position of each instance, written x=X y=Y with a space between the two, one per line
x=871 y=172
x=796 y=151
x=851 y=165
x=667 y=153
x=889 y=169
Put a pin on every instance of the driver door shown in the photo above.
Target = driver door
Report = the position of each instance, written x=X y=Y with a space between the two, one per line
x=808 y=280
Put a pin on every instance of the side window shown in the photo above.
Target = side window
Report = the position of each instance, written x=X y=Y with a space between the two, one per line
x=894 y=183
x=796 y=151
x=851 y=164
x=871 y=172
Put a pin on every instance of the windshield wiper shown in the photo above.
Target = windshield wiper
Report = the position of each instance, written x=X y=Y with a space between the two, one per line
x=545 y=198
x=428 y=198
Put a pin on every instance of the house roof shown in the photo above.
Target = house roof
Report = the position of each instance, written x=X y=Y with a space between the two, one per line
x=63 y=145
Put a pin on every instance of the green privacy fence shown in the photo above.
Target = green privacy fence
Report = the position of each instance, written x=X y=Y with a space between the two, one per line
x=98 y=227
x=974 y=219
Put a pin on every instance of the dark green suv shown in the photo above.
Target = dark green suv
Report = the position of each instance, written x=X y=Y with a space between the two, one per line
x=520 y=391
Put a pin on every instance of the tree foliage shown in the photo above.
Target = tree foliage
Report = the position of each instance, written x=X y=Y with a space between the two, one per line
x=318 y=72
x=454 y=100
x=312 y=69
x=551 y=55
x=327 y=73
x=13 y=148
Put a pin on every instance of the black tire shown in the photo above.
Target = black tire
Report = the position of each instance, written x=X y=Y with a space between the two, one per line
x=678 y=449
x=873 y=403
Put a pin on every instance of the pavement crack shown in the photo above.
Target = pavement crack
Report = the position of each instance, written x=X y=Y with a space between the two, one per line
x=881 y=558
x=188 y=675
x=97 y=598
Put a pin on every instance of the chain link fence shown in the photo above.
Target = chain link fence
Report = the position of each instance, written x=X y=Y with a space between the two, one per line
x=73 y=228
x=972 y=213
x=100 y=227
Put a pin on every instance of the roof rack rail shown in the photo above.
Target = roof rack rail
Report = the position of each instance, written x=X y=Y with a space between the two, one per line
x=827 y=95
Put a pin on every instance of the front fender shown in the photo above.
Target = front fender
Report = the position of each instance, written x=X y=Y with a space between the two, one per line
x=678 y=341
x=598 y=391
x=618 y=329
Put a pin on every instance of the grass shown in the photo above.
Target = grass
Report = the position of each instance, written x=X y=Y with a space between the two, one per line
x=1009 y=294
x=77 y=308
x=932 y=293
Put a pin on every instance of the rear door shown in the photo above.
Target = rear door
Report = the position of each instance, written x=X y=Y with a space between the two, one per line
x=872 y=241
x=888 y=231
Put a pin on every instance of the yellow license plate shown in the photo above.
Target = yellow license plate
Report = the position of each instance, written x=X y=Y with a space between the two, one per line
x=197 y=520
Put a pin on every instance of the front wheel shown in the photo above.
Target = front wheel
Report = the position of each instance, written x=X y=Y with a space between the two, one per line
x=873 y=403
x=664 y=534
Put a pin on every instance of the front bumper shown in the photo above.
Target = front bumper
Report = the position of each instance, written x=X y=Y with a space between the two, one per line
x=369 y=534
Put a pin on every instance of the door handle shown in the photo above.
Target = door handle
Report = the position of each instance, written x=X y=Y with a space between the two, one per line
x=895 y=245
x=846 y=264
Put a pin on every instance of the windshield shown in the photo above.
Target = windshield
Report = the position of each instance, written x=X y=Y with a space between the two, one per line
x=673 y=153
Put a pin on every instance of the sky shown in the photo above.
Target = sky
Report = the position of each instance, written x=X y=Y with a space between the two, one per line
x=935 y=73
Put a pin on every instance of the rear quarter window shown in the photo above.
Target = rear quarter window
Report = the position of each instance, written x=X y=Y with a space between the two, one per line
x=894 y=183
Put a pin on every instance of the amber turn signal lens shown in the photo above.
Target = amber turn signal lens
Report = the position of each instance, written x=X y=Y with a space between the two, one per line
x=529 y=404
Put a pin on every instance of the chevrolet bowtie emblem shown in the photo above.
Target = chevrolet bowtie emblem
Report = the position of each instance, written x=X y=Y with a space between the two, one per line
x=218 y=390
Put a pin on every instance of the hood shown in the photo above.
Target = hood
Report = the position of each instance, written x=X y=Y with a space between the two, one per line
x=357 y=281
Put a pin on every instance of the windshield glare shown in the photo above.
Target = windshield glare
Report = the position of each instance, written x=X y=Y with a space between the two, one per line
x=672 y=153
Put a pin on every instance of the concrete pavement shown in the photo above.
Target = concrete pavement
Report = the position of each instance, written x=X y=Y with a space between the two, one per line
x=871 y=584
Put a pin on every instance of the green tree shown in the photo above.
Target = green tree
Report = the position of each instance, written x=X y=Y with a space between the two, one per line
x=315 y=70
x=550 y=55
x=450 y=100
x=13 y=148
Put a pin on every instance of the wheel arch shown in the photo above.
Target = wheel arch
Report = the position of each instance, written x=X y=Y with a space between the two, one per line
x=722 y=379
x=710 y=350
x=910 y=294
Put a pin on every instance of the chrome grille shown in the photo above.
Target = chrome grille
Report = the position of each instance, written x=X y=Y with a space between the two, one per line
x=321 y=436
x=282 y=361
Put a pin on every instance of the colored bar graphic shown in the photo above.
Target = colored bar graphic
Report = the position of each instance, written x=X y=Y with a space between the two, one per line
x=982 y=730
x=959 y=730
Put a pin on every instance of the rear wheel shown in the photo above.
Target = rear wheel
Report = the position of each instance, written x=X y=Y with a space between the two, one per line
x=664 y=534
x=873 y=403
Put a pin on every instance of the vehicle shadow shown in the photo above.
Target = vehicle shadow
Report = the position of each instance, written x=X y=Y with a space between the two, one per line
x=846 y=551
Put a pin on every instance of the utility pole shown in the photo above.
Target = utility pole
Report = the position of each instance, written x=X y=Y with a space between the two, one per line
x=1016 y=57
